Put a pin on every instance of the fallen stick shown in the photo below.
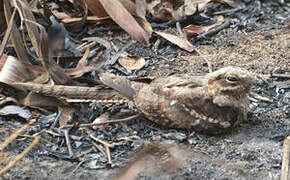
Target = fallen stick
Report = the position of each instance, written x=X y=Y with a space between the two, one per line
x=287 y=76
x=285 y=170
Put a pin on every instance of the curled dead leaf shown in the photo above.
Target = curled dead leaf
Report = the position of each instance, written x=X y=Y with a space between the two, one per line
x=82 y=66
x=131 y=63
x=161 y=11
x=180 y=42
x=74 y=20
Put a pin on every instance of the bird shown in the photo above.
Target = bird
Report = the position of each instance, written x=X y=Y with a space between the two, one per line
x=210 y=104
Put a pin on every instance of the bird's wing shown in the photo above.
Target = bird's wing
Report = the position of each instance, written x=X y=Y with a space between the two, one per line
x=178 y=81
x=121 y=84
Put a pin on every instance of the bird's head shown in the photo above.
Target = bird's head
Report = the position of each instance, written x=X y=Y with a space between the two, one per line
x=229 y=80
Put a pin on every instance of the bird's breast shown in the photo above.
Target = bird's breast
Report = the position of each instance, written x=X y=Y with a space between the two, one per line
x=186 y=108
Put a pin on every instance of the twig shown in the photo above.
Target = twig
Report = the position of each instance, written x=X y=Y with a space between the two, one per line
x=261 y=98
x=84 y=152
x=20 y=156
x=114 y=59
x=104 y=43
x=102 y=123
x=109 y=155
x=285 y=170
x=227 y=11
x=78 y=166
x=180 y=31
x=280 y=75
x=212 y=31
x=56 y=120
x=110 y=121
x=8 y=31
x=100 y=141
x=53 y=133
x=107 y=147
x=41 y=138
x=68 y=144
x=99 y=148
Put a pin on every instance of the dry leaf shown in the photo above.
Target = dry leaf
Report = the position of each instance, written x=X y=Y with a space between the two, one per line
x=75 y=73
x=66 y=115
x=231 y=3
x=137 y=10
x=58 y=74
x=82 y=66
x=167 y=10
x=8 y=31
x=3 y=59
x=96 y=19
x=83 y=61
x=190 y=7
x=131 y=63
x=73 y=22
x=13 y=110
x=194 y=30
x=161 y=11
x=15 y=36
x=102 y=118
x=141 y=7
x=182 y=43
x=97 y=9
x=32 y=28
x=2 y=18
x=14 y=71
x=125 y=20
x=39 y=39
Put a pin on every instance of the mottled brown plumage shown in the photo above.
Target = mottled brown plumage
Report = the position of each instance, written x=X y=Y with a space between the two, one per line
x=210 y=104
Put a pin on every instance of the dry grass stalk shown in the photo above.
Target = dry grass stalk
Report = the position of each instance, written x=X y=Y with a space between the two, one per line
x=285 y=171
x=14 y=135
x=20 y=156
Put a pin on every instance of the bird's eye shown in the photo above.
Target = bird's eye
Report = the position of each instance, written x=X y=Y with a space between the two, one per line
x=232 y=79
